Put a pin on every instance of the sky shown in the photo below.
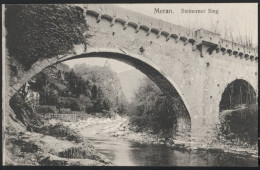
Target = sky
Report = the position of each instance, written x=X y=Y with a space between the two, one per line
x=236 y=17
x=240 y=19
x=116 y=66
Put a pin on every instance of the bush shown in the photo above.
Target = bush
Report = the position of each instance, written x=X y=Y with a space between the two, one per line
x=65 y=111
x=68 y=103
x=86 y=152
x=45 y=109
x=75 y=106
x=28 y=147
x=24 y=111
x=139 y=122
x=59 y=130
x=243 y=123
x=43 y=31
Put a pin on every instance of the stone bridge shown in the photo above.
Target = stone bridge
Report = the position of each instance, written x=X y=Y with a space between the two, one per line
x=192 y=68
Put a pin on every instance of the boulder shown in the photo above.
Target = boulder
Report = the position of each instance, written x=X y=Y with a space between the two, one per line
x=231 y=136
x=121 y=129
x=52 y=160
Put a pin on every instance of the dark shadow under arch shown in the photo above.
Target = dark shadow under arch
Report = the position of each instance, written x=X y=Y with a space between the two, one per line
x=237 y=94
x=239 y=112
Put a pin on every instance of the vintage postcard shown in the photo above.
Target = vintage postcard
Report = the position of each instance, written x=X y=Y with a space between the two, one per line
x=130 y=84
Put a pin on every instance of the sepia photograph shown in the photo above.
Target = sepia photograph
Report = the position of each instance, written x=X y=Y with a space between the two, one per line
x=130 y=84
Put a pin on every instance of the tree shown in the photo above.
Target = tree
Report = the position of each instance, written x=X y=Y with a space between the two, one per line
x=89 y=105
x=75 y=106
x=98 y=102
x=76 y=84
x=94 y=92
x=106 y=104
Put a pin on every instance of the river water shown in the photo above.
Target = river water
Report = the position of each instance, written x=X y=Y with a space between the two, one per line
x=123 y=152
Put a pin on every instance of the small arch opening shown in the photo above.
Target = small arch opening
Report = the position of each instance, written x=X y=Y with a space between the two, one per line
x=238 y=113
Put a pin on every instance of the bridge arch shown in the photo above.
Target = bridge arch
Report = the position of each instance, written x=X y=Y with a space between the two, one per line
x=164 y=82
x=237 y=92
x=239 y=111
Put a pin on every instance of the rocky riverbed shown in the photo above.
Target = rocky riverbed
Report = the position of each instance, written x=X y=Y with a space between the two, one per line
x=119 y=127
x=48 y=148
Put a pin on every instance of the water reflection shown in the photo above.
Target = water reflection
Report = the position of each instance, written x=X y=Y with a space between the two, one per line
x=158 y=155
x=123 y=152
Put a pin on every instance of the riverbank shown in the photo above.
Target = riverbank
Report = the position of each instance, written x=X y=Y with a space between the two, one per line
x=78 y=143
x=119 y=127
x=54 y=149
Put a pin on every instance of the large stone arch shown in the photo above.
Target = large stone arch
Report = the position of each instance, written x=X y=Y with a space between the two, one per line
x=164 y=82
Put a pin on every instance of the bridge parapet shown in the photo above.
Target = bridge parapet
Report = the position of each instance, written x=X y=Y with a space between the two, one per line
x=227 y=47
x=208 y=36
x=238 y=50
x=202 y=38
x=128 y=17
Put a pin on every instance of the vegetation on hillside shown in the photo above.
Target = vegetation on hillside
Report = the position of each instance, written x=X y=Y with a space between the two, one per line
x=106 y=90
x=87 y=89
x=24 y=111
x=43 y=31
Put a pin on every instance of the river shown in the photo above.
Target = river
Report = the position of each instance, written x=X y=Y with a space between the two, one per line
x=123 y=152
